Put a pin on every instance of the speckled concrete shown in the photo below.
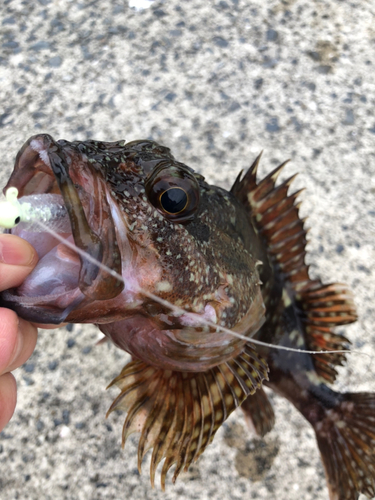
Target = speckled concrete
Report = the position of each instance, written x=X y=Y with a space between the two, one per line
x=217 y=81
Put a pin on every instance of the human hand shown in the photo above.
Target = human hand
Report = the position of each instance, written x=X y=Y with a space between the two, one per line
x=17 y=336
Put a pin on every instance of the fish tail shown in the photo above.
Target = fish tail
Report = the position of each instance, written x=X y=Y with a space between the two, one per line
x=346 y=440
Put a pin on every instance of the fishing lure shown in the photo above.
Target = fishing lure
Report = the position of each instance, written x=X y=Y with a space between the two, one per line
x=28 y=212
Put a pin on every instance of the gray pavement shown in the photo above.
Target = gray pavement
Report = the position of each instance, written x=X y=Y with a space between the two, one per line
x=217 y=81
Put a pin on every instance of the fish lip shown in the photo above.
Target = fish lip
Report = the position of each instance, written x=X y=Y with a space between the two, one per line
x=61 y=167
x=35 y=173
x=32 y=173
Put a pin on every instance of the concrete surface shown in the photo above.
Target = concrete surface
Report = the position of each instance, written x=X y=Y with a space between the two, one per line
x=217 y=81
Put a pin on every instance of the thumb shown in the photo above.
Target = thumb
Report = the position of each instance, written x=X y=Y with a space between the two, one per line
x=17 y=259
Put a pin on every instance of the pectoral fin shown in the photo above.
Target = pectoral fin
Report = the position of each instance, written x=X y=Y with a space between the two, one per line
x=178 y=413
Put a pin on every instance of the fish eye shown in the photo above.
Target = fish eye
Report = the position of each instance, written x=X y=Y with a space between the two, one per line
x=174 y=192
x=174 y=200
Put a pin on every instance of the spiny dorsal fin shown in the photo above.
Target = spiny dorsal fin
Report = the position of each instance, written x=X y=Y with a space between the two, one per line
x=179 y=413
x=276 y=215
x=249 y=179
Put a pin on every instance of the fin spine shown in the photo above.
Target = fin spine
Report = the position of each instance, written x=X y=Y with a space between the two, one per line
x=179 y=413
x=276 y=215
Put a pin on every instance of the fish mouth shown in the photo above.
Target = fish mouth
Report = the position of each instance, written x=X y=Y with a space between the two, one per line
x=63 y=278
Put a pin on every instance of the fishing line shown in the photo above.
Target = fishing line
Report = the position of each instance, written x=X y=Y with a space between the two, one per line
x=178 y=310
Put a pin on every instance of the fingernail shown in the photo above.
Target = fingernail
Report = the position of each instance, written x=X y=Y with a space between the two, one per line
x=15 y=251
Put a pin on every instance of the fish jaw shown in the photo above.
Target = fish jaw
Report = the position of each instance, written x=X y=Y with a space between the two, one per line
x=63 y=279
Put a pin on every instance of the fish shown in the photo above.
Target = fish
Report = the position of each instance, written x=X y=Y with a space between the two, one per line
x=207 y=289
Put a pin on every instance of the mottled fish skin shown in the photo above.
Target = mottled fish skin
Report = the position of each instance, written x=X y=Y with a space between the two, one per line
x=234 y=258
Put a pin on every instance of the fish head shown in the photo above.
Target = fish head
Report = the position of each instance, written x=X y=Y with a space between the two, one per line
x=185 y=251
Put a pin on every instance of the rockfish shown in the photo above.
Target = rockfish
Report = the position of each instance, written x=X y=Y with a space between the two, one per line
x=204 y=272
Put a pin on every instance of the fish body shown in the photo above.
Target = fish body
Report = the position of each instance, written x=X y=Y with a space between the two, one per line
x=227 y=262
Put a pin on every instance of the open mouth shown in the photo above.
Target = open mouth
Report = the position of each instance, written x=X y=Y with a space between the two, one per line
x=61 y=180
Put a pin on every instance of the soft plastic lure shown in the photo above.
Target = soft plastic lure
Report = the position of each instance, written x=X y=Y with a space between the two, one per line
x=28 y=211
